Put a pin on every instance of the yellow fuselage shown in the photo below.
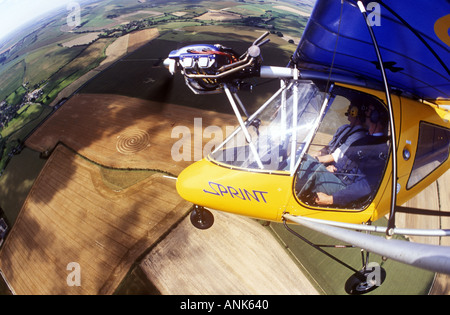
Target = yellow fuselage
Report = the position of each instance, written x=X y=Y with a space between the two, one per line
x=267 y=196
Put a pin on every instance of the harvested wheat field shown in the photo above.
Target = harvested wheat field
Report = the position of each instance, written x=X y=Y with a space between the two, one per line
x=119 y=48
x=435 y=197
x=79 y=211
x=254 y=263
x=219 y=15
x=72 y=216
x=139 y=38
x=125 y=132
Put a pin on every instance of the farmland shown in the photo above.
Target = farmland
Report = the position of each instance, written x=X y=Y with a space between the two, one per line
x=56 y=48
x=49 y=57
x=51 y=62
x=98 y=187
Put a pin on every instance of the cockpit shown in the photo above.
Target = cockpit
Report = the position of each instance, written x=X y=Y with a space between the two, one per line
x=297 y=132
x=282 y=125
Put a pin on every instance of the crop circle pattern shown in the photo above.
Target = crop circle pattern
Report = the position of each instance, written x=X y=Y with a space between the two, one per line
x=132 y=141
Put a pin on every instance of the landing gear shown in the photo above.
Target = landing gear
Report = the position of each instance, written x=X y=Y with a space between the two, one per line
x=201 y=218
x=365 y=280
x=370 y=277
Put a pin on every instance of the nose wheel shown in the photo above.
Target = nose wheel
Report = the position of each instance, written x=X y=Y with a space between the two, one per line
x=201 y=218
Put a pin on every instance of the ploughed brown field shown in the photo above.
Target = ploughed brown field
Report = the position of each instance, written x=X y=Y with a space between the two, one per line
x=74 y=214
x=124 y=132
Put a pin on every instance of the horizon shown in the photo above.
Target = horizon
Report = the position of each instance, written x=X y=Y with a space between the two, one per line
x=15 y=14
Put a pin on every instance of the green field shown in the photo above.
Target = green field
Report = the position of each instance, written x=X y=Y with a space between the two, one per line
x=11 y=78
x=17 y=180
x=39 y=60
x=19 y=128
x=88 y=59
x=331 y=276
x=131 y=76
x=44 y=62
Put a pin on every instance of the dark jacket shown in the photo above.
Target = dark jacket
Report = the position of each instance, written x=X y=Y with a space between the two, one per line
x=361 y=169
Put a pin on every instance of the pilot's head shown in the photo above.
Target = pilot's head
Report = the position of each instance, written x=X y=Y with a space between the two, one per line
x=377 y=119
x=356 y=113
x=376 y=114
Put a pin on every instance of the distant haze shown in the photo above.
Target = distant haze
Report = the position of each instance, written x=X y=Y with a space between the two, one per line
x=16 y=13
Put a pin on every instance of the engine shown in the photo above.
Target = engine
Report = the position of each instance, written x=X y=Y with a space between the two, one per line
x=207 y=67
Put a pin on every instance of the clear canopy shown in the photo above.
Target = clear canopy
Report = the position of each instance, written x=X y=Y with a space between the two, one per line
x=283 y=125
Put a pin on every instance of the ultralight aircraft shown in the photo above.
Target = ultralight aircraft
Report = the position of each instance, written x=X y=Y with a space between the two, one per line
x=382 y=63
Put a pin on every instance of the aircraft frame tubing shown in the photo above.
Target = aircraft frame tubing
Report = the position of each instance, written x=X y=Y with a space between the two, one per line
x=431 y=257
x=382 y=229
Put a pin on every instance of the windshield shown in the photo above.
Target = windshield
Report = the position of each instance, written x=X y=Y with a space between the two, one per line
x=281 y=126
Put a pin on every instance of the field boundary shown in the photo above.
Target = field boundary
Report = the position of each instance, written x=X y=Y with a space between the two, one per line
x=51 y=234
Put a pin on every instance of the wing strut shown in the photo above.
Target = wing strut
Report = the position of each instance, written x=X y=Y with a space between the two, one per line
x=391 y=222
x=243 y=126
x=431 y=257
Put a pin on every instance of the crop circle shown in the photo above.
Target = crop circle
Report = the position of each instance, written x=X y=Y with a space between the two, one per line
x=132 y=141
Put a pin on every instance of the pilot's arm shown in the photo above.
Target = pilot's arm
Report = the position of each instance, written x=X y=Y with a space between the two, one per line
x=352 y=192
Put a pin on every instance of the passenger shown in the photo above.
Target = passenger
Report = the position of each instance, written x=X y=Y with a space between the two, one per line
x=356 y=175
x=345 y=135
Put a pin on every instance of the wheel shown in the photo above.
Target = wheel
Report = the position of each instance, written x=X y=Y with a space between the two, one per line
x=365 y=280
x=201 y=218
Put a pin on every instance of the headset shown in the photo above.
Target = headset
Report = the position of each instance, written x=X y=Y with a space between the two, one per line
x=378 y=115
x=353 y=111
x=357 y=111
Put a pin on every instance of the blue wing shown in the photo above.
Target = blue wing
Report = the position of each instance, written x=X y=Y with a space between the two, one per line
x=413 y=37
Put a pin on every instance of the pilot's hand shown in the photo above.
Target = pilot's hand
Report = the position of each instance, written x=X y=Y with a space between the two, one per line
x=323 y=199
x=331 y=168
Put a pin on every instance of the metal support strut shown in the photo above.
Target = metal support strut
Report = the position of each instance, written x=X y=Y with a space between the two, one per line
x=242 y=125
x=431 y=257
x=391 y=222
x=319 y=247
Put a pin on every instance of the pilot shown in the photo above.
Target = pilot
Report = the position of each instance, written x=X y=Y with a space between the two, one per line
x=345 y=135
x=357 y=174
